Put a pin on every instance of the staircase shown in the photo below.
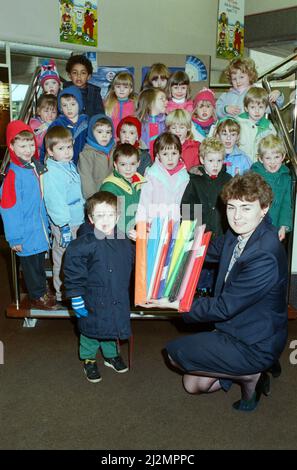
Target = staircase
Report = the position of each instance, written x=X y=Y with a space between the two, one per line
x=285 y=120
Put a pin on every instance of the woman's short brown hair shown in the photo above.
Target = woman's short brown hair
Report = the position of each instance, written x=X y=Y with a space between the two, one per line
x=248 y=187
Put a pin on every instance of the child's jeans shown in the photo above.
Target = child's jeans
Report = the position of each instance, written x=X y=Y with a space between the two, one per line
x=88 y=348
x=34 y=274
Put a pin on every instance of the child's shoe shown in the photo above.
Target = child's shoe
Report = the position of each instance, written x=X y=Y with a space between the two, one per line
x=45 y=303
x=91 y=371
x=116 y=363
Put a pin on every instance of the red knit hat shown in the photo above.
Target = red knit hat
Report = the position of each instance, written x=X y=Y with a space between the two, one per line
x=205 y=95
x=129 y=120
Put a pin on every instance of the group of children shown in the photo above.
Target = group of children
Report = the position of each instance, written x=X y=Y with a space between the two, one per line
x=147 y=156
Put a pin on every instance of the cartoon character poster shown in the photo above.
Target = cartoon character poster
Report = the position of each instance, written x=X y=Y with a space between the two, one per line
x=230 y=30
x=79 y=22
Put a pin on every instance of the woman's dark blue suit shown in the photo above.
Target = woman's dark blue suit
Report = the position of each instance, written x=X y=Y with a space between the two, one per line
x=249 y=309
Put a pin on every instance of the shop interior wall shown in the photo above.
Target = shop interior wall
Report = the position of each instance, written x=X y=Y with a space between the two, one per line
x=131 y=26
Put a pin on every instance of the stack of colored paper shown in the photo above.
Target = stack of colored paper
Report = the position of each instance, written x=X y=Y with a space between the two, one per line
x=169 y=259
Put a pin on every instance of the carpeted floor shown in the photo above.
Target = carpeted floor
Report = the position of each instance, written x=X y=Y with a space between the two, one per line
x=46 y=402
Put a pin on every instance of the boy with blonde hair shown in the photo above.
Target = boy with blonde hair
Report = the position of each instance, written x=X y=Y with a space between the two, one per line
x=254 y=126
x=271 y=155
x=205 y=188
x=179 y=122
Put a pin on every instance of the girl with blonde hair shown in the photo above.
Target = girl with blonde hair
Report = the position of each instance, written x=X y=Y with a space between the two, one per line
x=120 y=101
x=179 y=122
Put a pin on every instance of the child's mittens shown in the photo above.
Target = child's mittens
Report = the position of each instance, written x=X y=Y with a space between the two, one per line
x=66 y=236
x=41 y=129
x=78 y=306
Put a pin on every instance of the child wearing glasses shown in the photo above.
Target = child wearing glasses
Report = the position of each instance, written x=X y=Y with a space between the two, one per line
x=97 y=271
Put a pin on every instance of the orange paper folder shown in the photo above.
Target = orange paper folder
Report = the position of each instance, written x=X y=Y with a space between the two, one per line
x=140 y=264
x=187 y=300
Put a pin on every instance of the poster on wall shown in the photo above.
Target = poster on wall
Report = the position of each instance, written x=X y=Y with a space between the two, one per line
x=196 y=69
x=230 y=29
x=79 y=22
x=4 y=106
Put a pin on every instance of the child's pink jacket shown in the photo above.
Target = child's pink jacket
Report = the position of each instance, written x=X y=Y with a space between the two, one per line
x=39 y=128
x=122 y=109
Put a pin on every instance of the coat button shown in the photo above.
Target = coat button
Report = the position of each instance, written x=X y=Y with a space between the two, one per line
x=110 y=270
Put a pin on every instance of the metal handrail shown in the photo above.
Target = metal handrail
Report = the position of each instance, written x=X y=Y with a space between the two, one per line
x=276 y=113
x=26 y=110
x=277 y=66
x=289 y=144
x=25 y=114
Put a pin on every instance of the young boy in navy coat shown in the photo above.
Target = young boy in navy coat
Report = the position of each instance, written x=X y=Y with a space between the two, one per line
x=97 y=271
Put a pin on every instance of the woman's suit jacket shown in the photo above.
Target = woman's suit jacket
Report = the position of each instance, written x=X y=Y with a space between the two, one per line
x=251 y=305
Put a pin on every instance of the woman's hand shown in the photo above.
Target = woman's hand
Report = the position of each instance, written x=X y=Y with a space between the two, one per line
x=132 y=234
x=161 y=303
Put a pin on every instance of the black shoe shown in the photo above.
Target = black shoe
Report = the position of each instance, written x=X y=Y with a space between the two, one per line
x=91 y=371
x=263 y=386
x=275 y=370
x=116 y=363
x=246 y=405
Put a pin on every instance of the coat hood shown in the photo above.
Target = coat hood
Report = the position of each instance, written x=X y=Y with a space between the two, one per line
x=92 y=121
x=91 y=139
x=12 y=130
x=130 y=120
x=71 y=90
